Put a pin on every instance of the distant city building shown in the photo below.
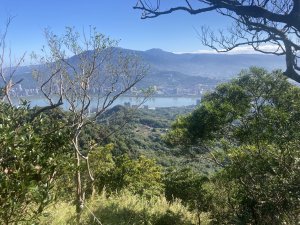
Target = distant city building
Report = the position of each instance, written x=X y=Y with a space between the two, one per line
x=127 y=104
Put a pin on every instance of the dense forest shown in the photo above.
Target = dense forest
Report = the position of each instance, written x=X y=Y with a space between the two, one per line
x=234 y=159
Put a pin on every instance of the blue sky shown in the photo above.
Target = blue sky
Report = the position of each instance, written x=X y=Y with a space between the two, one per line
x=115 y=18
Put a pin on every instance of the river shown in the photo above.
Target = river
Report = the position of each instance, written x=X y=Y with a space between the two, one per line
x=152 y=102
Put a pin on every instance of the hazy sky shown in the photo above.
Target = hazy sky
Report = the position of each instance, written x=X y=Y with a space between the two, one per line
x=115 y=18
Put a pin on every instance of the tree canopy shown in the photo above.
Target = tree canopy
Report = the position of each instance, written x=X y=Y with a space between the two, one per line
x=250 y=128
x=251 y=108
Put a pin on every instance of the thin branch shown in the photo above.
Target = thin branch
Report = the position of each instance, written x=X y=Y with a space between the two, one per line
x=152 y=14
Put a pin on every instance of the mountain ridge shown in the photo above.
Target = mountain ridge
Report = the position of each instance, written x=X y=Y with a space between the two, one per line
x=186 y=65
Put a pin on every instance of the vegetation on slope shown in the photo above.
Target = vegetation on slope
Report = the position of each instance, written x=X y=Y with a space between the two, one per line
x=247 y=133
x=124 y=208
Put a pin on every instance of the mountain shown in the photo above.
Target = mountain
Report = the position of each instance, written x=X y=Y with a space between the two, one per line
x=220 y=66
x=185 y=69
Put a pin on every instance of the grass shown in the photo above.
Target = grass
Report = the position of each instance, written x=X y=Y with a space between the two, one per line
x=123 y=209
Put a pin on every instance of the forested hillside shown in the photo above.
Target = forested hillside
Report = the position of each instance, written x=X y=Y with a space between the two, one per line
x=71 y=154
x=231 y=160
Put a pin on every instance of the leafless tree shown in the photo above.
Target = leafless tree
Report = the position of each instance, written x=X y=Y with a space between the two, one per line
x=8 y=66
x=86 y=84
x=255 y=23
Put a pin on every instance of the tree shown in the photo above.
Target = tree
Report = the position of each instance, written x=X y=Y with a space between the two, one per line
x=141 y=176
x=256 y=23
x=246 y=110
x=86 y=73
x=33 y=152
x=187 y=185
x=33 y=148
x=261 y=184
x=250 y=129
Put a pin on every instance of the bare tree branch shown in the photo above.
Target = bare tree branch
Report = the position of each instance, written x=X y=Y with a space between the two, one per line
x=257 y=23
x=7 y=71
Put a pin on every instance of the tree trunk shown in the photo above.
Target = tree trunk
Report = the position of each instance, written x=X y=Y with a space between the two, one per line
x=79 y=193
x=93 y=189
x=199 y=217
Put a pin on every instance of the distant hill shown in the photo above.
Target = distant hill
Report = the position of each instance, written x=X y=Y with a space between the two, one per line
x=185 y=69
x=220 y=66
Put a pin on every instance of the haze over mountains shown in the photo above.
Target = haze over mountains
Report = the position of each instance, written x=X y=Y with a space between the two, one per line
x=221 y=66
x=189 y=68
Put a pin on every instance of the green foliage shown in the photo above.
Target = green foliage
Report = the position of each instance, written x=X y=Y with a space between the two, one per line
x=141 y=176
x=256 y=98
x=171 y=218
x=216 y=110
x=252 y=127
x=32 y=153
x=187 y=185
x=249 y=127
x=102 y=160
x=263 y=184
x=124 y=208
x=139 y=138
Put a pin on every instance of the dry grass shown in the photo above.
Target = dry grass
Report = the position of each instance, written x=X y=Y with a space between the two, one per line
x=123 y=208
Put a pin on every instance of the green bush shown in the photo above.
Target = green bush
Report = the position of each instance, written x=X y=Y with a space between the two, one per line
x=33 y=152
x=141 y=176
x=187 y=185
x=171 y=218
